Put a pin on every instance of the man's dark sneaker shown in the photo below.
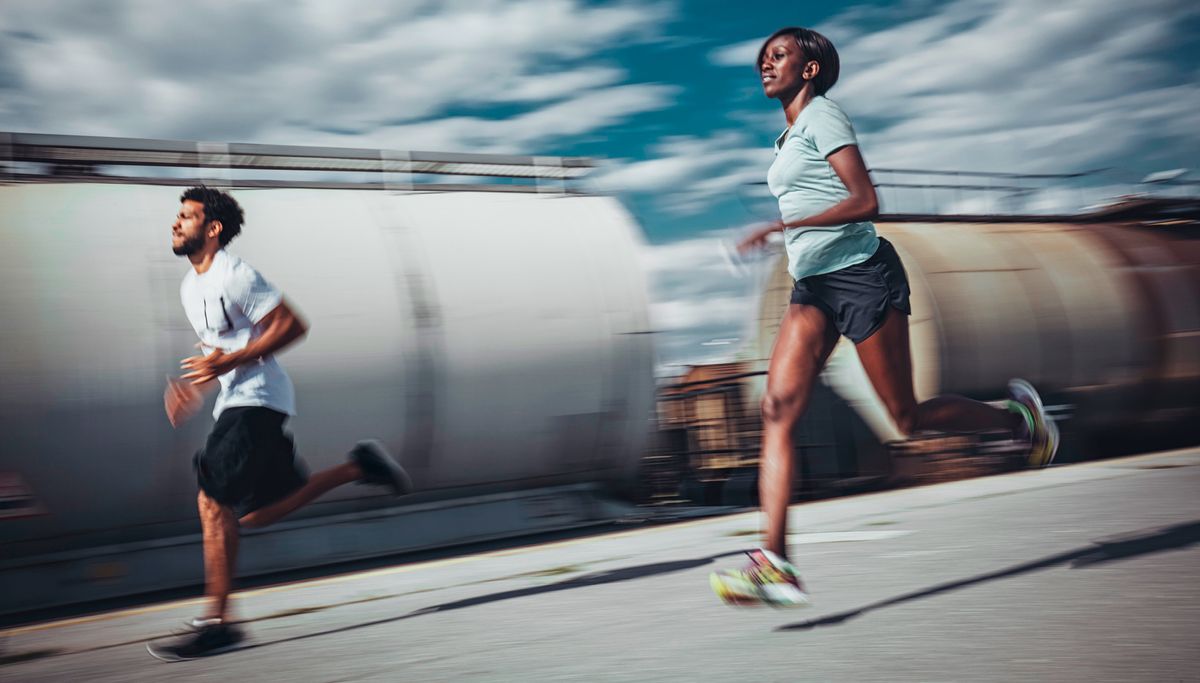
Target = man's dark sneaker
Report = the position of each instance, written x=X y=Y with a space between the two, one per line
x=195 y=624
x=380 y=468
x=204 y=642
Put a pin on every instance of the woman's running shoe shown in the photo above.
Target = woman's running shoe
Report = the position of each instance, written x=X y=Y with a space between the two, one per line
x=1042 y=432
x=768 y=579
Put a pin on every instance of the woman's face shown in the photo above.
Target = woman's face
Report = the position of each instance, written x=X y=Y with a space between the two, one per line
x=782 y=67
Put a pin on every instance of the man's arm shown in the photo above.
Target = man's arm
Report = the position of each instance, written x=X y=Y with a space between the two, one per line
x=281 y=327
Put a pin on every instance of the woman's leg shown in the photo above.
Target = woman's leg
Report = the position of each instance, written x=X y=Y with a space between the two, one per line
x=806 y=338
x=886 y=357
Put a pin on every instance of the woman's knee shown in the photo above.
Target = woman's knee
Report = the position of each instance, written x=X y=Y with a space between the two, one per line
x=781 y=408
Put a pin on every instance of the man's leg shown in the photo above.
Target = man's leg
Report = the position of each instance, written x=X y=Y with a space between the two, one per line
x=806 y=338
x=219 y=529
x=886 y=357
x=318 y=484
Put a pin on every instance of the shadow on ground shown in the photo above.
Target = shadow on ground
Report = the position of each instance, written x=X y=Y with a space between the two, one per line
x=1119 y=548
x=592 y=579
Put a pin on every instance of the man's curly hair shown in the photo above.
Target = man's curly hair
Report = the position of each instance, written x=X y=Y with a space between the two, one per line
x=218 y=206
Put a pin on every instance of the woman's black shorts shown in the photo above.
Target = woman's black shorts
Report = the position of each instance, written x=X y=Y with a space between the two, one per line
x=249 y=461
x=857 y=298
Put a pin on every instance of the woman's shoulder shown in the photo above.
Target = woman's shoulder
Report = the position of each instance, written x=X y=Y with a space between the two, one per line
x=823 y=105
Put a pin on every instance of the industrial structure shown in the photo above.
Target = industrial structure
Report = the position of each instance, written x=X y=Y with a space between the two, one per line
x=1100 y=309
x=484 y=320
x=489 y=323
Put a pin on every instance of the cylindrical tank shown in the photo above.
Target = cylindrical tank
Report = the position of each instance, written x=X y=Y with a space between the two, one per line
x=1102 y=316
x=495 y=341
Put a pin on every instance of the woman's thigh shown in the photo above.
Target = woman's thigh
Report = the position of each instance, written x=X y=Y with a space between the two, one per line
x=887 y=360
x=806 y=338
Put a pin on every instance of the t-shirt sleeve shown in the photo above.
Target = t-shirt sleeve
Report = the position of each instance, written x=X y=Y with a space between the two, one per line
x=831 y=130
x=253 y=294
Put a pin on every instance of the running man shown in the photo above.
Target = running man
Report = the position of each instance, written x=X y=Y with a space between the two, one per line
x=248 y=472
x=848 y=282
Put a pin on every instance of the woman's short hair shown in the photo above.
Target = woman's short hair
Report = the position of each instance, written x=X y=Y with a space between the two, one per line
x=814 y=47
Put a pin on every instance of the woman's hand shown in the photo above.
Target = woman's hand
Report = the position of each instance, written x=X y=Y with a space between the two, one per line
x=757 y=238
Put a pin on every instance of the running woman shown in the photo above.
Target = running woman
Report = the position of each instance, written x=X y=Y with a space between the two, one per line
x=248 y=472
x=848 y=282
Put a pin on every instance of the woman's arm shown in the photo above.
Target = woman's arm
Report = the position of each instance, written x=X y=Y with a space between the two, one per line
x=861 y=205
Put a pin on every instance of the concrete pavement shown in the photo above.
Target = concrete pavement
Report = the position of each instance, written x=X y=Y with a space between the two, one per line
x=1077 y=573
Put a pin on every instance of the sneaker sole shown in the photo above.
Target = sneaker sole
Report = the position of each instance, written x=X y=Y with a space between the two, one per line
x=171 y=658
x=732 y=597
x=781 y=597
x=785 y=596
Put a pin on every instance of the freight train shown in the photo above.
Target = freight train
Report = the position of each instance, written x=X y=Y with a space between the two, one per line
x=481 y=318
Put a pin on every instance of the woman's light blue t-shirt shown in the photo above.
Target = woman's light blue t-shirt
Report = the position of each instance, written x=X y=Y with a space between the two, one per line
x=806 y=185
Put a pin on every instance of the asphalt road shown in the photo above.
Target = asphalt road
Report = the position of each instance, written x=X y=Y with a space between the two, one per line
x=1077 y=573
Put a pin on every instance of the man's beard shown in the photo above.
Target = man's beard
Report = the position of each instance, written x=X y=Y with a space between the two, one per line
x=190 y=245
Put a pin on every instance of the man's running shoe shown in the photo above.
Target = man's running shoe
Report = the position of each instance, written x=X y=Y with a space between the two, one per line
x=380 y=468
x=205 y=642
x=767 y=580
x=1042 y=432
x=195 y=624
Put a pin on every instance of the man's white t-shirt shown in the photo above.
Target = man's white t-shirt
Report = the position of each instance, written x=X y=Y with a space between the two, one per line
x=225 y=305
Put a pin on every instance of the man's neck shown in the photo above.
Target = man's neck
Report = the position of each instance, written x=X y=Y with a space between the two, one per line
x=203 y=259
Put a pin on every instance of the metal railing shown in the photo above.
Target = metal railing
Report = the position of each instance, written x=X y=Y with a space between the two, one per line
x=30 y=157
x=913 y=193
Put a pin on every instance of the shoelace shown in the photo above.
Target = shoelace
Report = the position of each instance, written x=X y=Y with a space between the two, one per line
x=762 y=572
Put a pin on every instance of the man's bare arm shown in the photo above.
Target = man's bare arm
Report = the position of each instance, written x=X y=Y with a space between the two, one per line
x=281 y=328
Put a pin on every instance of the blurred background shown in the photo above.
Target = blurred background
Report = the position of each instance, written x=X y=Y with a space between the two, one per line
x=504 y=221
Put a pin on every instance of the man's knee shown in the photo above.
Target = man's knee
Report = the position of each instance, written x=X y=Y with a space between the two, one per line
x=212 y=512
x=253 y=520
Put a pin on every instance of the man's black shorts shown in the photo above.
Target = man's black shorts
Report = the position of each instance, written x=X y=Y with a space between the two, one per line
x=249 y=461
x=857 y=298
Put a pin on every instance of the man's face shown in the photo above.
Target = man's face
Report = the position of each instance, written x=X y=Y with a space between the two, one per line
x=189 y=231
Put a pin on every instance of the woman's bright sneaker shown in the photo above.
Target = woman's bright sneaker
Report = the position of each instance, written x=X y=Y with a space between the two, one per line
x=1043 y=433
x=768 y=579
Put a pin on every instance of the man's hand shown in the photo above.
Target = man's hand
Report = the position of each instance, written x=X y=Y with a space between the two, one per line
x=182 y=401
x=204 y=369
x=758 y=237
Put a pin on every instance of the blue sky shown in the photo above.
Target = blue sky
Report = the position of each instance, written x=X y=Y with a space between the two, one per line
x=663 y=91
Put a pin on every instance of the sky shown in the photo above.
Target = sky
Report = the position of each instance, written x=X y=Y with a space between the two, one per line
x=665 y=93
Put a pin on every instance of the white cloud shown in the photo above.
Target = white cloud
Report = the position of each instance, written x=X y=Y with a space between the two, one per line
x=249 y=71
x=1015 y=85
x=521 y=133
x=738 y=54
x=1021 y=86
x=689 y=174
